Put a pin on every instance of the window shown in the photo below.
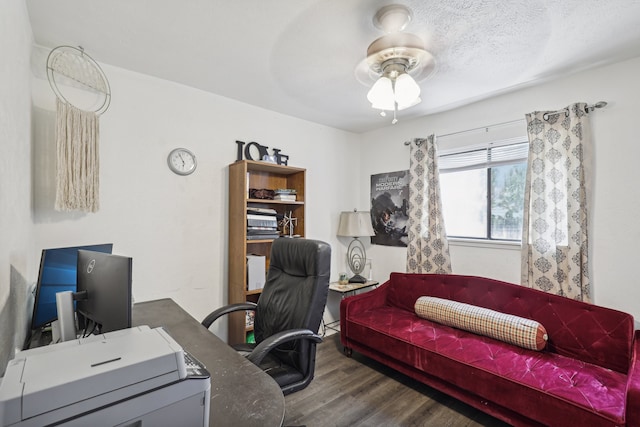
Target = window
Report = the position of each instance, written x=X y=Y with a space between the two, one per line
x=482 y=190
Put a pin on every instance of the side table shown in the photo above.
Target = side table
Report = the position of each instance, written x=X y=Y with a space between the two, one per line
x=344 y=291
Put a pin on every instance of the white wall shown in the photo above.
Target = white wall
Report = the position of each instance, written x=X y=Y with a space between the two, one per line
x=16 y=235
x=175 y=227
x=616 y=229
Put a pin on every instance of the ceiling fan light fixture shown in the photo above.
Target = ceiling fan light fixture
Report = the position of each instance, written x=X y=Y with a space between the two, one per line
x=397 y=93
x=393 y=57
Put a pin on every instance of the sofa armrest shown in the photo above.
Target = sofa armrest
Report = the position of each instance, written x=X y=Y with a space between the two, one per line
x=364 y=301
x=632 y=409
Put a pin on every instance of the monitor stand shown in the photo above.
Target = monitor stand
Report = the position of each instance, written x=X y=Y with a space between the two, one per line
x=66 y=323
x=55 y=332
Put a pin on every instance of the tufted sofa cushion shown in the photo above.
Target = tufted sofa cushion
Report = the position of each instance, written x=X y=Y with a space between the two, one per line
x=554 y=390
x=512 y=329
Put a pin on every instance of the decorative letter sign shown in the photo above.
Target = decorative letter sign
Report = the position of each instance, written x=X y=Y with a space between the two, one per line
x=249 y=151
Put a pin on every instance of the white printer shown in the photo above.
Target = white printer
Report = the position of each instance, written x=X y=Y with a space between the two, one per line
x=132 y=377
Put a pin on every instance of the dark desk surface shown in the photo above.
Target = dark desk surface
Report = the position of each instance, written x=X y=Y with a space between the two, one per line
x=241 y=394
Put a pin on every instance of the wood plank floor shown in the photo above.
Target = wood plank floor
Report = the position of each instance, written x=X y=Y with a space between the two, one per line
x=361 y=392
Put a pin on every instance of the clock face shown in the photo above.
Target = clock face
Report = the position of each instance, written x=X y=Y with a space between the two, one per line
x=182 y=161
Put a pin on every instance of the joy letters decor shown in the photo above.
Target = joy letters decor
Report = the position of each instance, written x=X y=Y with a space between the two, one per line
x=249 y=151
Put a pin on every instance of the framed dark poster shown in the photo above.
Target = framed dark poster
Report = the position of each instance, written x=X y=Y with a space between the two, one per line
x=389 y=208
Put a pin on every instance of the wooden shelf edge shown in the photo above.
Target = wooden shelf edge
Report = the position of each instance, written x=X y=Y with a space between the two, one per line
x=257 y=165
x=260 y=241
x=276 y=202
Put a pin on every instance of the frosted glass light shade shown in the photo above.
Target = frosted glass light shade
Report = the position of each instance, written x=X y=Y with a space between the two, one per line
x=406 y=91
x=381 y=94
x=385 y=93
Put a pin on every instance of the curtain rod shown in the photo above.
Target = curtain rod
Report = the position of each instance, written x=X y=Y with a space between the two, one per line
x=588 y=109
x=485 y=128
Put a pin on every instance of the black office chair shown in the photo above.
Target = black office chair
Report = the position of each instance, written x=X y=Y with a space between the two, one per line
x=288 y=312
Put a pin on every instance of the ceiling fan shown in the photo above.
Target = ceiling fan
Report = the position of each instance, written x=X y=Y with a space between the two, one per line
x=395 y=61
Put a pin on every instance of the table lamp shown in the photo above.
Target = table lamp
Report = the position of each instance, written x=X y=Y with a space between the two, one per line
x=355 y=224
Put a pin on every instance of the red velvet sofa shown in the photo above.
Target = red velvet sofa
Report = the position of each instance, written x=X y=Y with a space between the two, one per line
x=587 y=375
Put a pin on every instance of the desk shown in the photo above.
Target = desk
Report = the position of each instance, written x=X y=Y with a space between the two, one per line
x=241 y=393
x=345 y=290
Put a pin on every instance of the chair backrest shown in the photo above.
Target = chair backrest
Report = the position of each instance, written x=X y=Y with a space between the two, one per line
x=295 y=293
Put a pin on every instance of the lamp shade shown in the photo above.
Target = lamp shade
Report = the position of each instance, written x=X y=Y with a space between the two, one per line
x=355 y=224
x=406 y=91
x=381 y=94
x=388 y=94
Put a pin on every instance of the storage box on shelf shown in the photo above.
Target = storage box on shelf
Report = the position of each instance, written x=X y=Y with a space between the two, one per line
x=244 y=176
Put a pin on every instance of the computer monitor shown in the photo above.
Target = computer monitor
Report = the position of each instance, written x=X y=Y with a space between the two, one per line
x=58 y=272
x=104 y=292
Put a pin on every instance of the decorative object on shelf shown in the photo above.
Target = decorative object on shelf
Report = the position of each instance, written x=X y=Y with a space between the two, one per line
x=261 y=193
x=395 y=60
x=182 y=161
x=343 y=279
x=270 y=159
x=289 y=222
x=250 y=316
x=77 y=128
x=356 y=224
x=262 y=154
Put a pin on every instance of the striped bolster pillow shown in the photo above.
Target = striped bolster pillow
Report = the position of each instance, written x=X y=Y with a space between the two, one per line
x=515 y=330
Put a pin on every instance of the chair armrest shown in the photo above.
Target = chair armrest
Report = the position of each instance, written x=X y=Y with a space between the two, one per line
x=226 y=310
x=262 y=349
x=632 y=408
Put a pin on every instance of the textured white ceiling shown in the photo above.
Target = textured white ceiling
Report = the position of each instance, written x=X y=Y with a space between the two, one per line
x=299 y=57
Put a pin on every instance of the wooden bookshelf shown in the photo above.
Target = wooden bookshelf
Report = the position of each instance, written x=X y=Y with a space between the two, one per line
x=243 y=175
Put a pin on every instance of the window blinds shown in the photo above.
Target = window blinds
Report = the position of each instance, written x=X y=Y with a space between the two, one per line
x=496 y=153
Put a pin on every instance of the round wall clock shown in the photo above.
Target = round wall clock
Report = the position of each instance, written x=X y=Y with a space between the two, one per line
x=182 y=161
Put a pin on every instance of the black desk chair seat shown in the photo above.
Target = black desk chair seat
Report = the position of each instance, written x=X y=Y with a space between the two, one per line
x=288 y=312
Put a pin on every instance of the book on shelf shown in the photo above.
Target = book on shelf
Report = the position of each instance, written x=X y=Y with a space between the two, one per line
x=262 y=230
x=262 y=217
x=285 y=197
x=263 y=236
x=285 y=191
x=254 y=228
x=259 y=223
x=261 y=211
x=262 y=221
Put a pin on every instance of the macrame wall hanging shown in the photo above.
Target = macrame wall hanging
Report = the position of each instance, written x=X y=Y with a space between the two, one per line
x=74 y=75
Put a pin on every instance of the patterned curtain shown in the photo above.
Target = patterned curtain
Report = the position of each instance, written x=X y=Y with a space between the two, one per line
x=428 y=248
x=554 y=233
